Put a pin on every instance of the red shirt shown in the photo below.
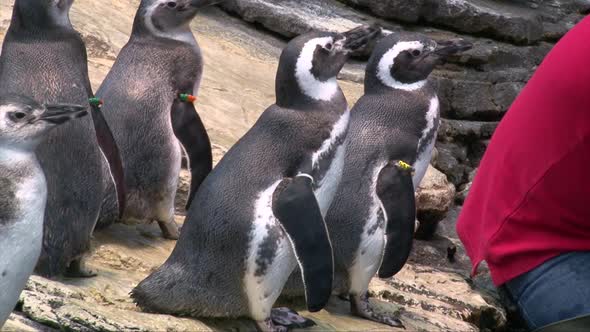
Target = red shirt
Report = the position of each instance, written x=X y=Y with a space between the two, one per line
x=530 y=200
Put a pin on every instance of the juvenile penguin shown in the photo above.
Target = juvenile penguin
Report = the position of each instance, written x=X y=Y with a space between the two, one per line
x=259 y=214
x=392 y=132
x=44 y=57
x=23 y=190
x=161 y=61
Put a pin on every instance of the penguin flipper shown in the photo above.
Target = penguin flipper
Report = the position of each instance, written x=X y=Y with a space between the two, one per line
x=191 y=133
x=296 y=208
x=108 y=146
x=395 y=190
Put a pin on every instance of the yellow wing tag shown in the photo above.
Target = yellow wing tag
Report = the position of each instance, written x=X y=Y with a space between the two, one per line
x=405 y=166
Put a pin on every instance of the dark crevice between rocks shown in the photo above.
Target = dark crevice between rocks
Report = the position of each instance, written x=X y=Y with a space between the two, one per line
x=427 y=229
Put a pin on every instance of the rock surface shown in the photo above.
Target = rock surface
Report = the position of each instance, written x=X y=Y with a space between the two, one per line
x=430 y=294
x=502 y=20
x=434 y=198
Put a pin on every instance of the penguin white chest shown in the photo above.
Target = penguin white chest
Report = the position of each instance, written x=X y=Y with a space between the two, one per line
x=21 y=240
x=328 y=163
x=427 y=141
x=270 y=259
x=372 y=245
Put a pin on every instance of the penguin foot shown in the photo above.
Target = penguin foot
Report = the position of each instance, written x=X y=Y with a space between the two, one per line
x=78 y=269
x=360 y=306
x=289 y=318
x=268 y=326
x=169 y=229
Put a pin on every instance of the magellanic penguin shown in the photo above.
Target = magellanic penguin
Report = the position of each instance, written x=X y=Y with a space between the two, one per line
x=43 y=57
x=259 y=214
x=23 y=190
x=143 y=105
x=393 y=128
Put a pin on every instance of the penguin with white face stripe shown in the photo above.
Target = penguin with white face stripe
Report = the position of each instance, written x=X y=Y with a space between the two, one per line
x=23 y=189
x=260 y=213
x=392 y=131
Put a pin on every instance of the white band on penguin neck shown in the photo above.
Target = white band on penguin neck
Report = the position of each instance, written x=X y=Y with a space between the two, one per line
x=305 y=175
x=308 y=83
x=387 y=61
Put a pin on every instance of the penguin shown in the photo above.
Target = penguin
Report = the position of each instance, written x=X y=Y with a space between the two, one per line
x=393 y=129
x=142 y=103
x=23 y=190
x=44 y=58
x=260 y=213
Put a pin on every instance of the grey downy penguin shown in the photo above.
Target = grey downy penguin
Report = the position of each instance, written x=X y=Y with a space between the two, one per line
x=142 y=104
x=393 y=128
x=43 y=57
x=259 y=214
x=23 y=190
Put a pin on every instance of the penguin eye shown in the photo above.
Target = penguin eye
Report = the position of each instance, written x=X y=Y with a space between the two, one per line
x=416 y=53
x=171 y=4
x=329 y=46
x=18 y=115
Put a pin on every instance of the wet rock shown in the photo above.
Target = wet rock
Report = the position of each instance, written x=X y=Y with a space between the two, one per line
x=451 y=161
x=61 y=306
x=17 y=322
x=452 y=297
x=472 y=96
x=505 y=21
x=461 y=130
x=462 y=195
x=434 y=197
x=464 y=190
x=504 y=94
x=291 y=18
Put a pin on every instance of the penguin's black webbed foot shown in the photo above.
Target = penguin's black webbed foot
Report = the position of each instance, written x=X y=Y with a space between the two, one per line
x=267 y=325
x=289 y=318
x=360 y=306
x=78 y=269
x=169 y=229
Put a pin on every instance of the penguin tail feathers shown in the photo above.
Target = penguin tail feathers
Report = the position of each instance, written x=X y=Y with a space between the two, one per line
x=145 y=296
x=160 y=292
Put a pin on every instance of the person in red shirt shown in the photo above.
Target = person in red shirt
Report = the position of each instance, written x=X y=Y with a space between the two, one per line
x=528 y=212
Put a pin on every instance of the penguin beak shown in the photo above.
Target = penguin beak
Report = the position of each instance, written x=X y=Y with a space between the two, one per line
x=204 y=3
x=61 y=113
x=447 y=48
x=358 y=38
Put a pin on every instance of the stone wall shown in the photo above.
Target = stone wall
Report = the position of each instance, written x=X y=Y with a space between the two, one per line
x=510 y=40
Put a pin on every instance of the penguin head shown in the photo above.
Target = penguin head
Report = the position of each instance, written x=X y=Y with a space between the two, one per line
x=23 y=121
x=42 y=13
x=167 y=16
x=311 y=62
x=404 y=61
